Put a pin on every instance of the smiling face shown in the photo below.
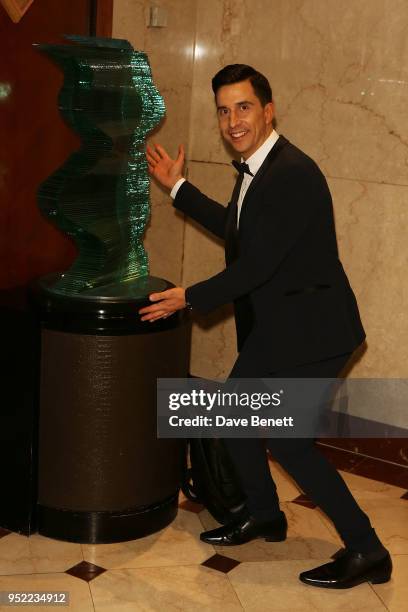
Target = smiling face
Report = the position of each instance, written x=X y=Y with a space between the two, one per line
x=244 y=123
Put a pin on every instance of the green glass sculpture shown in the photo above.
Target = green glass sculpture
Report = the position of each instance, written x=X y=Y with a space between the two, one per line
x=100 y=196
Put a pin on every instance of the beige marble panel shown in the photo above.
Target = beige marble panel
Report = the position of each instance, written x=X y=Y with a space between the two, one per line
x=371 y=222
x=167 y=47
x=308 y=538
x=164 y=238
x=129 y=21
x=275 y=587
x=166 y=588
x=22 y=555
x=80 y=599
x=179 y=542
x=339 y=75
x=170 y=52
x=213 y=336
x=259 y=33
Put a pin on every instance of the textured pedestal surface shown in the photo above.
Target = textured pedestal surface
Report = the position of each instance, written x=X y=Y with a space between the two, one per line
x=103 y=474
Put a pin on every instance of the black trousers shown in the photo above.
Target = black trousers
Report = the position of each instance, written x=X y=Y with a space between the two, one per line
x=301 y=458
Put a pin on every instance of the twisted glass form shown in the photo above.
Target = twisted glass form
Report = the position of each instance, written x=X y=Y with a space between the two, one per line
x=100 y=196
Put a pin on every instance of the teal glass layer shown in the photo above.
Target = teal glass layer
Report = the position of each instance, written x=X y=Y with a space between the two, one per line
x=100 y=196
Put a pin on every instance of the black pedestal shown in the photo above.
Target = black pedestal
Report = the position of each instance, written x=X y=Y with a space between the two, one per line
x=103 y=476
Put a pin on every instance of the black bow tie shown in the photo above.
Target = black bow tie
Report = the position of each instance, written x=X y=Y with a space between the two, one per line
x=241 y=167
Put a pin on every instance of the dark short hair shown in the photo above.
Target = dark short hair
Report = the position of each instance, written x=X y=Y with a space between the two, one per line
x=235 y=73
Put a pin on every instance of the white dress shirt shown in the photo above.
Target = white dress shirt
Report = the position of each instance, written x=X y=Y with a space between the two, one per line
x=254 y=162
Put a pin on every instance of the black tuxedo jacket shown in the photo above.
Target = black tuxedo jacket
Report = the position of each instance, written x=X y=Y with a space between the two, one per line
x=293 y=302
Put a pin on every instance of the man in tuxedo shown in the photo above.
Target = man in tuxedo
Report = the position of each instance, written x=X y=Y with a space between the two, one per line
x=296 y=314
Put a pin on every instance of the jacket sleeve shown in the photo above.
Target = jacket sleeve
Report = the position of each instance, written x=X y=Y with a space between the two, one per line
x=202 y=209
x=278 y=227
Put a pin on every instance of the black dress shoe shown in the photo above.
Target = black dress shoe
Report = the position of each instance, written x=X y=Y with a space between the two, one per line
x=349 y=569
x=247 y=529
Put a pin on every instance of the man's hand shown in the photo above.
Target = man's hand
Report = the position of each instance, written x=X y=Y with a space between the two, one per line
x=165 y=169
x=168 y=302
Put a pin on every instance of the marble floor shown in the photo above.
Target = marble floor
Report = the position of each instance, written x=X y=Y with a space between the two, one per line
x=172 y=570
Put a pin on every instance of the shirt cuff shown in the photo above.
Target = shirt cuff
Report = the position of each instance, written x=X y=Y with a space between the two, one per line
x=176 y=187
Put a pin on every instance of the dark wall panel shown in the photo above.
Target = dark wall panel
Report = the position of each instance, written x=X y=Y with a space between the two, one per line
x=35 y=140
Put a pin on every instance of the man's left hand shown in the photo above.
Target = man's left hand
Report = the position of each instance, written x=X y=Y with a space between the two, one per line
x=168 y=302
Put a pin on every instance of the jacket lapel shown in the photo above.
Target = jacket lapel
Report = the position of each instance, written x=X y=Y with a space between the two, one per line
x=268 y=161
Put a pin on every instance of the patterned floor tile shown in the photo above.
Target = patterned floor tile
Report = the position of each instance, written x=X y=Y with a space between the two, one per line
x=221 y=563
x=85 y=571
x=174 y=570
x=177 y=543
x=275 y=587
x=394 y=594
x=22 y=555
x=308 y=538
x=173 y=589
x=304 y=500
x=389 y=518
x=286 y=487
x=367 y=488
x=80 y=599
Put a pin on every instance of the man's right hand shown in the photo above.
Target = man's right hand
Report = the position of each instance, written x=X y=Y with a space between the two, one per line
x=165 y=169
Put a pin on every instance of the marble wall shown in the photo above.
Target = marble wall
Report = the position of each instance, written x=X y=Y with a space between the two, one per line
x=339 y=73
x=171 y=52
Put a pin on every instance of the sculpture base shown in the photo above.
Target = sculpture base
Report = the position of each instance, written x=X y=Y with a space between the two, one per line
x=103 y=475
x=135 y=289
x=100 y=314
x=106 y=527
